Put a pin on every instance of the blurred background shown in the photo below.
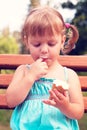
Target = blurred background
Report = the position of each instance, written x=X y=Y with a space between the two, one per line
x=12 y=16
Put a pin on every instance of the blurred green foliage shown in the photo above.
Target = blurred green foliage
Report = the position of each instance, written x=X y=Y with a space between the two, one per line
x=8 y=45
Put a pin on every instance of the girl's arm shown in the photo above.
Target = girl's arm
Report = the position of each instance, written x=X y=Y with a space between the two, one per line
x=76 y=105
x=23 y=80
x=19 y=87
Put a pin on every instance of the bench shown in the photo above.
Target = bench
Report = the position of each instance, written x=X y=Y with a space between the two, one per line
x=12 y=61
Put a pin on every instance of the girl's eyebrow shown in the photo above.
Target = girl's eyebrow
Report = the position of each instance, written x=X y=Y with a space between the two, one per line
x=34 y=41
x=52 y=40
x=46 y=40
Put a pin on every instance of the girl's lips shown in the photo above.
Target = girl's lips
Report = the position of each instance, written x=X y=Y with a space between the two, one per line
x=45 y=59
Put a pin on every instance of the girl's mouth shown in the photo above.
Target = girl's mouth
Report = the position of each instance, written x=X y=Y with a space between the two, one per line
x=44 y=59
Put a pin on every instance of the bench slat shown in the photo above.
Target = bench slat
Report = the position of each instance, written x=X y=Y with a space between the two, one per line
x=75 y=62
x=12 y=61
x=83 y=81
x=8 y=61
x=85 y=104
x=3 y=102
x=5 y=80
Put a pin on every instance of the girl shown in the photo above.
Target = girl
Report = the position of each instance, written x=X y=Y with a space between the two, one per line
x=44 y=33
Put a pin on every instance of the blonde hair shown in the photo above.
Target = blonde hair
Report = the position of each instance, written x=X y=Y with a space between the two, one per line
x=45 y=21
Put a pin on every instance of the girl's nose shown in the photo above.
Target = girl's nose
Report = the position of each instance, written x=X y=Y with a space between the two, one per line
x=44 y=48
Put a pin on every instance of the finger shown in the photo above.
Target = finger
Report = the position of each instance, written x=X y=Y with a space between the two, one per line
x=49 y=102
x=66 y=94
x=53 y=95
x=40 y=59
x=50 y=97
x=57 y=96
x=60 y=95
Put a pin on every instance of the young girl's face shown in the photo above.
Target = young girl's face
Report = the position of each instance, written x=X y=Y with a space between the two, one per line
x=47 y=48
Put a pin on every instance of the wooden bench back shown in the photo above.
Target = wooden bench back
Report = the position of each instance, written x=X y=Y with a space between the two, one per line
x=11 y=61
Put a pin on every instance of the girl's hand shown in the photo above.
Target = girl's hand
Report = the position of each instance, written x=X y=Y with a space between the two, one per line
x=58 y=99
x=38 y=69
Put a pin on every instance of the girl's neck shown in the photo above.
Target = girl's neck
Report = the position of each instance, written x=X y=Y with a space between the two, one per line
x=54 y=70
x=53 y=66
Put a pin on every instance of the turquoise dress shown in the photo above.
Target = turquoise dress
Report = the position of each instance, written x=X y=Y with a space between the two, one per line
x=33 y=114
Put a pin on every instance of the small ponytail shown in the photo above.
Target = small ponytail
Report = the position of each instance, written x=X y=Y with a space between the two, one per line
x=72 y=36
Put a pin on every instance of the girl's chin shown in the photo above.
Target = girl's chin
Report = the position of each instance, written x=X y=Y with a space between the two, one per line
x=49 y=62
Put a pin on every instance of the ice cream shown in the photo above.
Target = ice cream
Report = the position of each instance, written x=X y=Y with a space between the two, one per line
x=60 y=85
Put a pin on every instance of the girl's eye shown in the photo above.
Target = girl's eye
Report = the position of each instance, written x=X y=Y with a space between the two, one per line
x=51 y=43
x=36 y=45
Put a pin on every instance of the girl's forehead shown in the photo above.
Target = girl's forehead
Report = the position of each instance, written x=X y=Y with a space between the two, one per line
x=43 y=38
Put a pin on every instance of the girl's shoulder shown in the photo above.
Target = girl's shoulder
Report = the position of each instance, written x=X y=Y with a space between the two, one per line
x=21 y=70
x=71 y=73
x=23 y=67
x=72 y=76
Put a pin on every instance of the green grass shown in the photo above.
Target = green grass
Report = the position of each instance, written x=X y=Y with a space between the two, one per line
x=5 y=116
x=4 y=127
x=83 y=122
